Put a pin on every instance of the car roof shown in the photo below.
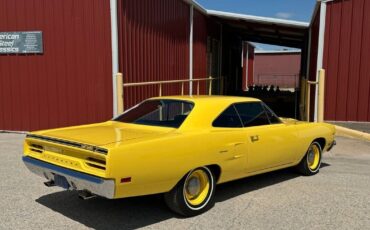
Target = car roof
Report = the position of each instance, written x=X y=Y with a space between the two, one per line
x=207 y=108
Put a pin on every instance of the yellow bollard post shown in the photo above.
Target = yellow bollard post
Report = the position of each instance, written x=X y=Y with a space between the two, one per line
x=182 y=88
x=321 y=96
x=119 y=85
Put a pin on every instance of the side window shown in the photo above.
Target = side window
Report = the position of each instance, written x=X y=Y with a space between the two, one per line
x=228 y=119
x=274 y=119
x=252 y=114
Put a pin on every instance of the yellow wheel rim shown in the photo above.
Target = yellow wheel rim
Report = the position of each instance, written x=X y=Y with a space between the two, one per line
x=313 y=157
x=197 y=187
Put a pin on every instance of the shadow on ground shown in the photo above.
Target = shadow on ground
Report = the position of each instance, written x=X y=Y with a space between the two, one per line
x=139 y=212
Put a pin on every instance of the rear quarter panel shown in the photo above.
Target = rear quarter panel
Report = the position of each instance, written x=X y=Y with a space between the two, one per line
x=308 y=132
x=156 y=166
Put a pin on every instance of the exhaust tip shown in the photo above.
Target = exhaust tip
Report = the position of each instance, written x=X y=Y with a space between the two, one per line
x=86 y=195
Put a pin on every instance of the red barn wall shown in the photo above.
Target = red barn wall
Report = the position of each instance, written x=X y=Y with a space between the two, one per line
x=154 y=46
x=71 y=82
x=200 y=50
x=347 y=60
x=278 y=69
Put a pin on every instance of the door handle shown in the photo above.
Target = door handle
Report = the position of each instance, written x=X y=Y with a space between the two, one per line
x=255 y=138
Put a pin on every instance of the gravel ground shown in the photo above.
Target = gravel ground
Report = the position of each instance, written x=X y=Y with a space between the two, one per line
x=336 y=198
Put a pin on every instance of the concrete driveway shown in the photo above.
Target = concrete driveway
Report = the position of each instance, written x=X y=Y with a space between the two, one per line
x=336 y=198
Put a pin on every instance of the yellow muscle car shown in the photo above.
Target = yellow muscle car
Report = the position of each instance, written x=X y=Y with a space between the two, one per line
x=181 y=146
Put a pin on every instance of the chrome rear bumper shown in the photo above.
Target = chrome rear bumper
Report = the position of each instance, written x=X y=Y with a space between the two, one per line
x=76 y=180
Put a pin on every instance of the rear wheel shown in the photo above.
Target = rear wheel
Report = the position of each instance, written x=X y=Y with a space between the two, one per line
x=311 y=162
x=194 y=194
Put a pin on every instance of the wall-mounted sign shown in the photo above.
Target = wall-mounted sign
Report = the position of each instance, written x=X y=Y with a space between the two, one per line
x=21 y=42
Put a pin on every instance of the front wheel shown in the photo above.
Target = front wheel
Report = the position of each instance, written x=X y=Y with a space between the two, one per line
x=194 y=194
x=310 y=164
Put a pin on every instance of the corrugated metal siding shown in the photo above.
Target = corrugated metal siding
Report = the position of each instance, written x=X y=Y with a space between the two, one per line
x=200 y=50
x=71 y=82
x=278 y=69
x=347 y=61
x=154 y=45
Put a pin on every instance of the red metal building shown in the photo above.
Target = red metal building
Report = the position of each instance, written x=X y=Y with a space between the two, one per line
x=86 y=42
x=340 y=43
x=278 y=68
x=154 y=45
x=70 y=83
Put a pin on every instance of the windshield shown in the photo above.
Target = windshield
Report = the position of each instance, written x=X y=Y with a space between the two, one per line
x=166 y=113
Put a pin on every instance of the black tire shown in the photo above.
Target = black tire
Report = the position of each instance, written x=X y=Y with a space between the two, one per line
x=176 y=199
x=304 y=167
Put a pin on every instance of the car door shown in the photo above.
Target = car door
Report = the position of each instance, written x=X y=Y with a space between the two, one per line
x=228 y=142
x=271 y=143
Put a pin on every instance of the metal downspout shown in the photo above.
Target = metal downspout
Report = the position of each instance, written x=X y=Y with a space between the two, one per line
x=114 y=38
x=320 y=52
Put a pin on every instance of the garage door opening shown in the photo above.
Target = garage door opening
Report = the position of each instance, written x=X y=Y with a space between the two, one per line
x=272 y=76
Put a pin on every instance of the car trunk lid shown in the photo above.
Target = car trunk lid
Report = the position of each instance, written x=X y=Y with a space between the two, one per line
x=105 y=133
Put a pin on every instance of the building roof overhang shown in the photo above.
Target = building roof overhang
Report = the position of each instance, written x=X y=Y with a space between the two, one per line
x=261 y=29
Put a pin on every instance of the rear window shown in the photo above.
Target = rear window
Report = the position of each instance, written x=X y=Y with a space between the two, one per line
x=166 y=113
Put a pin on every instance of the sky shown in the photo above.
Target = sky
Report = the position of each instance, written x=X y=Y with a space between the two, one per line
x=298 y=10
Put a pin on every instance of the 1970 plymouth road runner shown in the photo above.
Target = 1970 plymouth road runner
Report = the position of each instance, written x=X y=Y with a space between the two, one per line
x=181 y=146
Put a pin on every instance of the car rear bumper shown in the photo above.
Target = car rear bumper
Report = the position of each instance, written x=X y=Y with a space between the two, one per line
x=76 y=180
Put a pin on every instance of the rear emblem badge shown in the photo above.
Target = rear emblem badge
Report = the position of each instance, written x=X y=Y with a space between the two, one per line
x=88 y=147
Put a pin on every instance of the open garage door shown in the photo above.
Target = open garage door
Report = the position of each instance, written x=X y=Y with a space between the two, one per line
x=238 y=59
